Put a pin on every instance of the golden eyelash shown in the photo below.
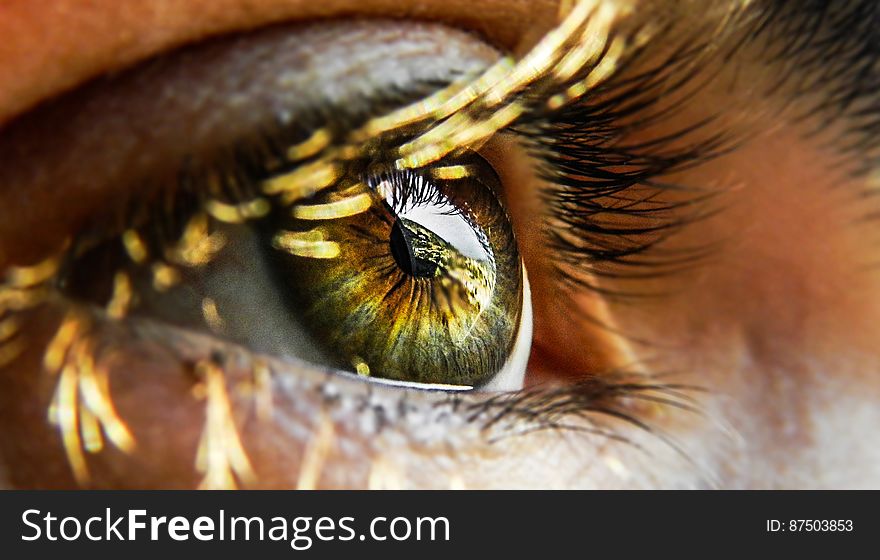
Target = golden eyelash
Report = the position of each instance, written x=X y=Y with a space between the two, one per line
x=121 y=298
x=451 y=172
x=465 y=115
x=212 y=316
x=134 y=246
x=310 y=244
x=316 y=453
x=220 y=456
x=198 y=245
x=25 y=287
x=82 y=407
x=341 y=208
x=236 y=214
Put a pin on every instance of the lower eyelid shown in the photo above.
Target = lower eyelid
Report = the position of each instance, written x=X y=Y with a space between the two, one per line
x=160 y=394
x=320 y=429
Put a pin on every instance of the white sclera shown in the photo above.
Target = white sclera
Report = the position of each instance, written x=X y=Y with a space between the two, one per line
x=512 y=375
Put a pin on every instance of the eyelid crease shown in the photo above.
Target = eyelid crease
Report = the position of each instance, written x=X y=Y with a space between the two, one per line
x=121 y=34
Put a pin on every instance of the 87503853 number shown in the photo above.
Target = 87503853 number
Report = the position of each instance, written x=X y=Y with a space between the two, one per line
x=810 y=526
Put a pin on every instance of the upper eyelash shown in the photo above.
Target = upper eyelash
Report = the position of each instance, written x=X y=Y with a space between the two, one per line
x=590 y=173
x=267 y=152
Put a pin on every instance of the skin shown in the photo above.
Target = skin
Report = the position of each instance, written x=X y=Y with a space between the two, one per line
x=778 y=326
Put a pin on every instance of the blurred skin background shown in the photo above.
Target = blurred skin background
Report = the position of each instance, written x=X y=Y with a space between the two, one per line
x=771 y=336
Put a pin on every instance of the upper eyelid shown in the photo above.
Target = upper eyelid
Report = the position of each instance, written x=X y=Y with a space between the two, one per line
x=117 y=36
x=112 y=133
x=486 y=110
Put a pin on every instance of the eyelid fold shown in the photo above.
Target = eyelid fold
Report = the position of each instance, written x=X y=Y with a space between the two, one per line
x=120 y=35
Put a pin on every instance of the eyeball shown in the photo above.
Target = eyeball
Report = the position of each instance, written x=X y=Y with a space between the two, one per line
x=412 y=276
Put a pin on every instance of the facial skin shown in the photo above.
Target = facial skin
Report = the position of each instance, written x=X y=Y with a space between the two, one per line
x=777 y=327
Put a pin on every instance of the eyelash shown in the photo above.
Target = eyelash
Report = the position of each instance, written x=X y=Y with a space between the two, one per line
x=591 y=171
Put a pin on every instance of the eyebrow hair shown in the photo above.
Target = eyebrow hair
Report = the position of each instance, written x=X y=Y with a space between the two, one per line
x=828 y=54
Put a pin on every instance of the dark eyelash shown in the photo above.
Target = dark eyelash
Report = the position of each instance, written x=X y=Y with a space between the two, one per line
x=588 y=406
x=606 y=229
x=410 y=189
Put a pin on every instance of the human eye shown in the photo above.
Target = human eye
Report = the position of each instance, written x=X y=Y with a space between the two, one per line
x=313 y=255
x=284 y=228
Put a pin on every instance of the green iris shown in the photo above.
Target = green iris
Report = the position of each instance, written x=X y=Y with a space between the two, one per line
x=421 y=282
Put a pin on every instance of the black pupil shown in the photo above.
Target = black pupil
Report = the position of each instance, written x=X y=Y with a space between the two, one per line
x=401 y=249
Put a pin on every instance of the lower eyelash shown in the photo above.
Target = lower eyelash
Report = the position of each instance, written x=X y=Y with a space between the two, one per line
x=606 y=405
x=592 y=406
